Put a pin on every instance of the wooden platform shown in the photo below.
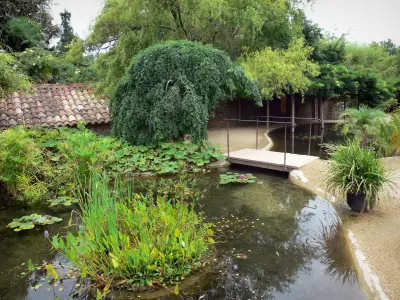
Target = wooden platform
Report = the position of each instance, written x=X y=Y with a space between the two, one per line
x=269 y=159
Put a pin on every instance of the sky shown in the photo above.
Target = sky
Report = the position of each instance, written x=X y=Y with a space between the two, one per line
x=363 y=21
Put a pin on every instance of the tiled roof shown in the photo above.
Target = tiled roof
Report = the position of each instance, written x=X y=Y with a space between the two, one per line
x=53 y=105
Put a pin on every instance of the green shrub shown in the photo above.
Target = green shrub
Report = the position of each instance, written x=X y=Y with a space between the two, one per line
x=171 y=89
x=22 y=167
x=45 y=164
x=355 y=169
x=131 y=238
x=364 y=123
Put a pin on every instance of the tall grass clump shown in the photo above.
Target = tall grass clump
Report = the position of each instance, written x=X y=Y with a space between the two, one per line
x=22 y=167
x=355 y=169
x=131 y=239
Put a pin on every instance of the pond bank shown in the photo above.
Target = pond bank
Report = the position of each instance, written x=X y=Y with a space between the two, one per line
x=375 y=235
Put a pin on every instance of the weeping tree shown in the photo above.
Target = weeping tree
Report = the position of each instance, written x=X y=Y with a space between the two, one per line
x=171 y=89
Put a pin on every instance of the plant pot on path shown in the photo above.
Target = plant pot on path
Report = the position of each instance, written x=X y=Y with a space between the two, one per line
x=358 y=202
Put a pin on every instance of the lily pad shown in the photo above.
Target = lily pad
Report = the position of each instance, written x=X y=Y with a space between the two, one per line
x=65 y=201
x=230 y=177
x=29 y=222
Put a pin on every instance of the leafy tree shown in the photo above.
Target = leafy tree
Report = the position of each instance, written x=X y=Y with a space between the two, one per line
x=330 y=50
x=372 y=58
x=389 y=47
x=10 y=79
x=67 y=33
x=125 y=27
x=44 y=66
x=22 y=33
x=280 y=72
x=38 y=11
x=171 y=89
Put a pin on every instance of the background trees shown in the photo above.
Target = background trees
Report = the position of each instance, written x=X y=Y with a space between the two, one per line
x=280 y=72
x=125 y=27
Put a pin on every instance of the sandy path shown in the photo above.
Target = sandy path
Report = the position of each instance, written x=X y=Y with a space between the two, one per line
x=239 y=138
x=377 y=232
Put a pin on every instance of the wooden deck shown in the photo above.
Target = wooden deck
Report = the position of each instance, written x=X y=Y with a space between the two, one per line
x=269 y=159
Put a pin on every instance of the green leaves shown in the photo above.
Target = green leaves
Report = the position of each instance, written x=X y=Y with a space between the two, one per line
x=177 y=85
x=230 y=177
x=31 y=266
x=29 y=222
x=151 y=239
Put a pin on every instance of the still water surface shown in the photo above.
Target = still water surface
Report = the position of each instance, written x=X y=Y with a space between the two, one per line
x=269 y=238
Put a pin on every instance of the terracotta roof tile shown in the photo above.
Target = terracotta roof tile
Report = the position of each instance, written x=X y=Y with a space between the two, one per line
x=53 y=105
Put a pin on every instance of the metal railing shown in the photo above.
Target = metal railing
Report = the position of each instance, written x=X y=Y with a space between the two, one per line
x=257 y=121
x=284 y=125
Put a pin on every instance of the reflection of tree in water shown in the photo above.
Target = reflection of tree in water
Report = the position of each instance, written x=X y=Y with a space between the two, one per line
x=277 y=253
x=333 y=251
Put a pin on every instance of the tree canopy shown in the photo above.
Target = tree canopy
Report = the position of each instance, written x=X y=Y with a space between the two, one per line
x=11 y=79
x=67 y=33
x=36 y=10
x=280 y=72
x=125 y=27
x=171 y=89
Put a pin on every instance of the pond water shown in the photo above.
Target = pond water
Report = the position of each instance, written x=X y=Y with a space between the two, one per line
x=273 y=241
x=299 y=142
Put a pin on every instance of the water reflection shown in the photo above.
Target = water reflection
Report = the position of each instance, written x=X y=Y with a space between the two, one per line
x=305 y=141
x=274 y=241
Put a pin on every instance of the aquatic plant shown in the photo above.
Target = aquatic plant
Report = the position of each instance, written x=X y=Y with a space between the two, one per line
x=128 y=239
x=230 y=177
x=40 y=164
x=29 y=222
x=21 y=165
x=355 y=169
x=62 y=201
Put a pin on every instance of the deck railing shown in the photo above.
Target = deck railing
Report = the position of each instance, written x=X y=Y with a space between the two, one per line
x=257 y=121
x=284 y=124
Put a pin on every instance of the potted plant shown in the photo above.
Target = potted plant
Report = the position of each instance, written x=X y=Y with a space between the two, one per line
x=358 y=173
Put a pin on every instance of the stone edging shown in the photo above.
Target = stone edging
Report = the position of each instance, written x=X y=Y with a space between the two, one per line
x=370 y=279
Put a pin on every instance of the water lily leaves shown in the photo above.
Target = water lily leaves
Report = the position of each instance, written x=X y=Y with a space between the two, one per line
x=29 y=222
x=230 y=177
x=65 y=201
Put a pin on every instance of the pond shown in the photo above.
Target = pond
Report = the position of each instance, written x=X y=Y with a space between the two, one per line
x=273 y=241
x=299 y=142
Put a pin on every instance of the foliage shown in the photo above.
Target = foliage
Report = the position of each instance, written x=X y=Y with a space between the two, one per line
x=280 y=72
x=230 y=177
x=22 y=33
x=67 y=33
x=372 y=58
x=330 y=50
x=63 y=200
x=11 y=79
x=236 y=27
x=42 y=164
x=45 y=67
x=394 y=138
x=21 y=165
x=126 y=237
x=364 y=123
x=355 y=169
x=38 y=11
x=29 y=222
x=171 y=89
